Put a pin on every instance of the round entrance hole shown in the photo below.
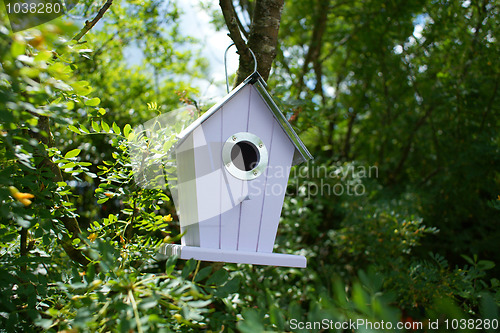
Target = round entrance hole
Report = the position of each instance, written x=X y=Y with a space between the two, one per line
x=245 y=155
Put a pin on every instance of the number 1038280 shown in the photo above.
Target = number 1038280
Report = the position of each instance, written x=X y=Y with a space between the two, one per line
x=471 y=324
x=33 y=8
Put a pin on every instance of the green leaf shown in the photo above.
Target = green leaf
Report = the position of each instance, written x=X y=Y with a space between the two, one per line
x=468 y=259
x=43 y=56
x=103 y=200
x=84 y=129
x=170 y=264
x=95 y=126
x=59 y=71
x=102 y=111
x=199 y=303
x=81 y=88
x=116 y=128
x=18 y=47
x=105 y=126
x=230 y=287
x=22 y=222
x=277 y=317
x=188 y=268
x=252 y=322
x=489 y=310
x=72 y=153
x=218 y=278
x=148 y=303
x=203 y=273
x=69 y=165
x=485 y=265
x=44 y=323
x=74 y=129
x=93 y=101
x=126 y=130
x=30 y=72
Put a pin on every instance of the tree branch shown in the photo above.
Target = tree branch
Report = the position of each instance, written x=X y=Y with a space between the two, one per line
x=24 y=243
x=429 y=176
x=242 y=27
x=23 y=251
x=263 y=39
x=409 y=144
x=235 y=33
x=490 y=104
x=90 y=24
x=263 y=36
x=70 y=223
x=347 y=142
x=283 y=61
x=247 y=6
x=314 y=50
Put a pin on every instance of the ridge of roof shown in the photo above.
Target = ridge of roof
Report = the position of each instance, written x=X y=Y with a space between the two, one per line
x=301 y=153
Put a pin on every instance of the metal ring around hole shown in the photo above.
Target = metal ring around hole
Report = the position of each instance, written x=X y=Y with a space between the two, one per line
x=259 y=146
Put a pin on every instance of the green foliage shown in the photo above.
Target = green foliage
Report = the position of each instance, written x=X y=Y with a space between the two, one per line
x=412 y=90
x=91 y=275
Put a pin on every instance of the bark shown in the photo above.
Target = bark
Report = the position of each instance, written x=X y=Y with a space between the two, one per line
x=231 y=20
x=347 y=142
x=24 y=242
x=490 y=103
x=314 y=50
x=263 y=36
x=409 y=144
x=90 y=24
x=23 y=247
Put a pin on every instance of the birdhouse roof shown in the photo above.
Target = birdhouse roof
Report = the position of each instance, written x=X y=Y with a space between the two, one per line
x=301 y=153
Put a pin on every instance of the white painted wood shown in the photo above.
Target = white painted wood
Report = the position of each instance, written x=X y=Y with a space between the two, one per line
x=280 y=161
x=228 y=219
x=217 y=255
x=260 y=123
x=234 y=119
x=186 y=188
x=207 y=143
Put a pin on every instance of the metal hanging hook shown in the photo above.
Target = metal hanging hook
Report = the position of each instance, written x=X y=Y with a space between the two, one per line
x=225 y=64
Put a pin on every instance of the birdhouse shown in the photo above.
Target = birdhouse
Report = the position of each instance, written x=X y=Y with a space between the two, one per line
x=233 y=165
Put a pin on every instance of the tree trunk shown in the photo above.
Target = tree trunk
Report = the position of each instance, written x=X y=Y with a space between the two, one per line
x=262 y=40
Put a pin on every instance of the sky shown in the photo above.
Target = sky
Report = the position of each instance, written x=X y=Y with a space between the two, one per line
x=196 y=23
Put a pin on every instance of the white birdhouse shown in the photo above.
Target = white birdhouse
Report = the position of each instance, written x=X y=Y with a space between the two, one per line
x=233 y=165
